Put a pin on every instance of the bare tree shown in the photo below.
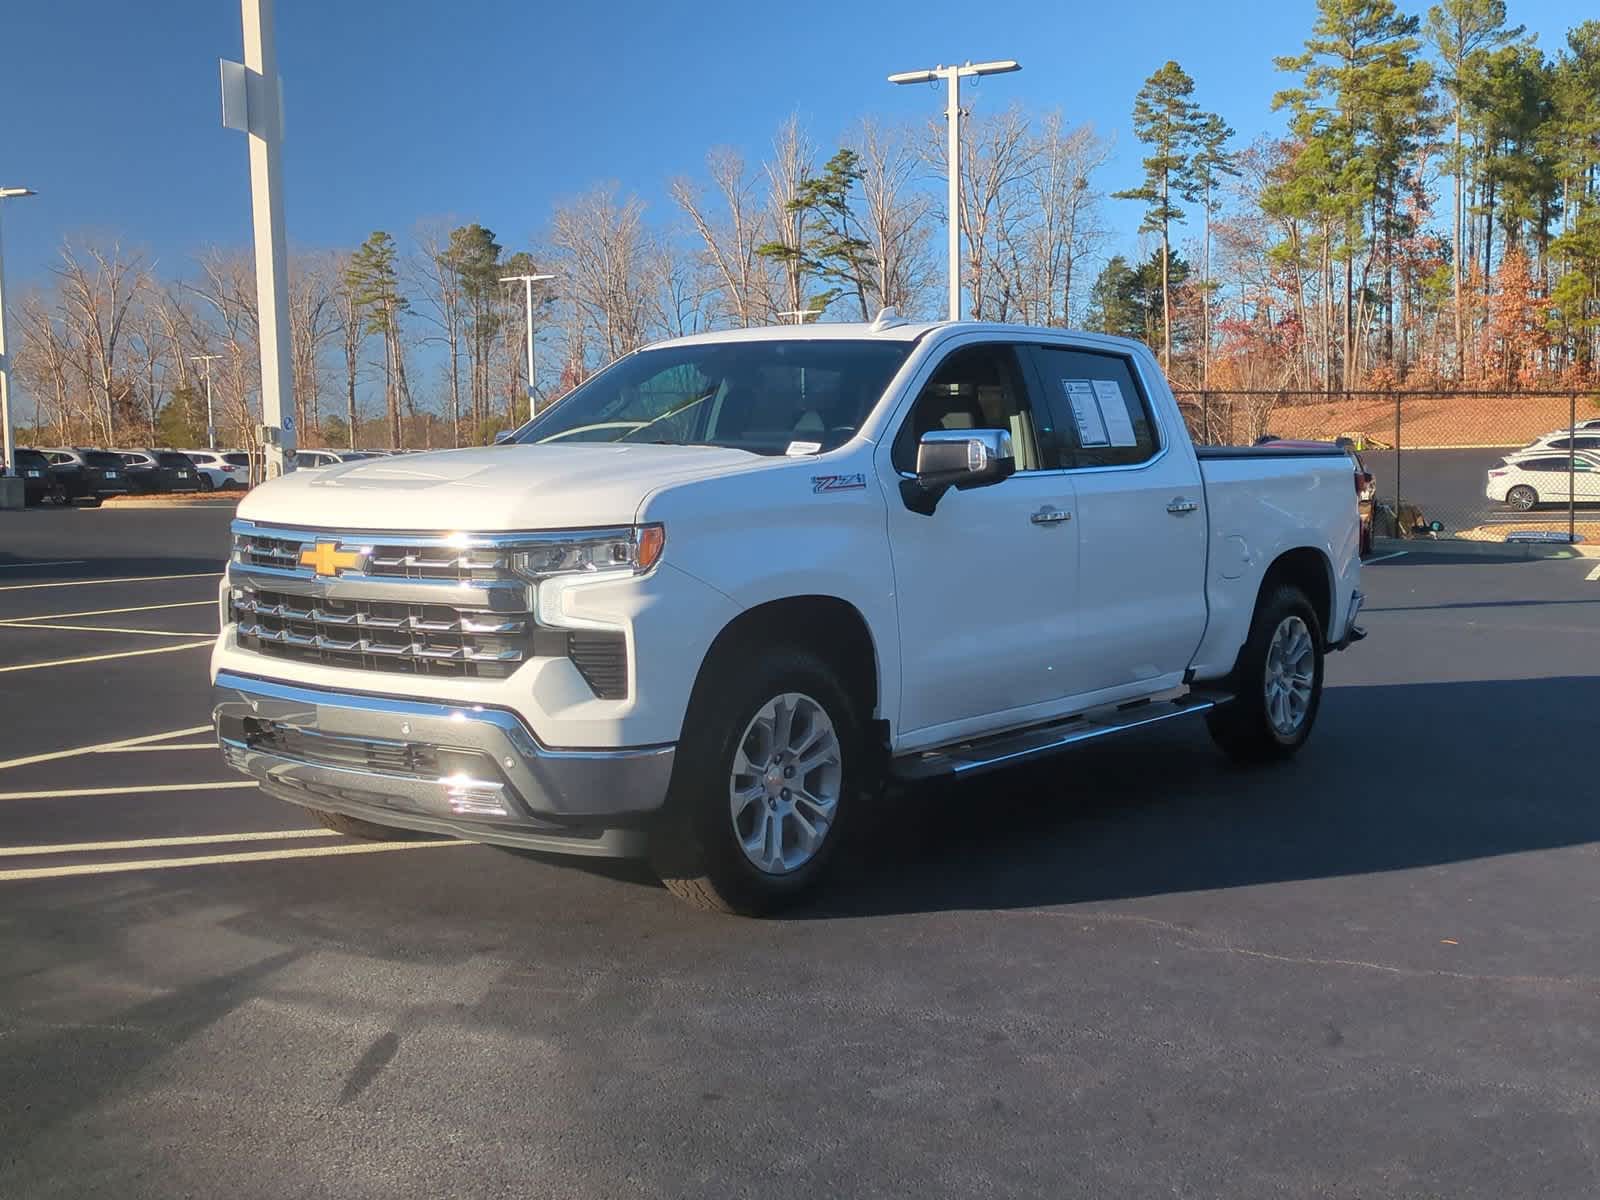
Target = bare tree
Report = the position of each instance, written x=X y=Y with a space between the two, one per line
x=98 y=290
x=350 y=321
x=602 y=249
x=438 y=281
x=792 y=164
x=313 y=320
x=730 y=241
x=45 y=364
x=896 y=217
x=1064 y=228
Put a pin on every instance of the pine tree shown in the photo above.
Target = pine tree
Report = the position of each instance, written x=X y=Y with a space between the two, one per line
x=1164 y=119
x=1460 y=31
x=835 y=247
x=1211 y=161
x=375 y=287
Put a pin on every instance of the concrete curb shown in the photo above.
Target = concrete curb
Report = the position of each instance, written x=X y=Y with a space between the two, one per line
x=1503 y=551
x=208 y=502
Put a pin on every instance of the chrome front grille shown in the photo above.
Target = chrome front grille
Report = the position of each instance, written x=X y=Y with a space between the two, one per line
x=402 y=603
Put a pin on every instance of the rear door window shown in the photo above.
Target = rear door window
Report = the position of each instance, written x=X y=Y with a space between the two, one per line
x=1099 y=407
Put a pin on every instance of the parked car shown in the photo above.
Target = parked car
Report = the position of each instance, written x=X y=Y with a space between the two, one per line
x=712 y=598
x=1525 y=481
x=87 y=475
x=310 y=459
x=220 y=469
x=1561 y=440
x=159 y=471
x=39 y=484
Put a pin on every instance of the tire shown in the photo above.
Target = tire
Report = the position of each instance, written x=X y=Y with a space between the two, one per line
x=205 y=482
x=1522 y=498
x=356 y=827
x=1272 y=711
x=734 y=736
x=90 y=501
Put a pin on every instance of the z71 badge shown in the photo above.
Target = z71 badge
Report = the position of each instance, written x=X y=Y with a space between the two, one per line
x=838 y=483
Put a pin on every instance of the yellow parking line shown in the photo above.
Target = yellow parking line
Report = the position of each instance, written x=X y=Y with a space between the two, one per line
x=69 y=793
x=150 y=843
x=211 y=860
x=103 y=747
x=188 y=633
x=68 y=662
x=106 y=612
x=24 y=587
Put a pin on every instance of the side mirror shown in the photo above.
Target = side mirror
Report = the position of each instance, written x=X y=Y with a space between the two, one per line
x=504 y=436
x=960 y=459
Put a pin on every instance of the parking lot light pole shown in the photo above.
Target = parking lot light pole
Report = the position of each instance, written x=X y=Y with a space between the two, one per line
x=211 y=425
x=7 y=459
x=252 y=102
x=953 y=77
x=527 y=282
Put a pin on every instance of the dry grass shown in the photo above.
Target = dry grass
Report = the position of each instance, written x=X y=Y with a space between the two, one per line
x=1430 y=421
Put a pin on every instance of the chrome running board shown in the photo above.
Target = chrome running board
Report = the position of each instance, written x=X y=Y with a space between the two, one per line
x=1023 y=745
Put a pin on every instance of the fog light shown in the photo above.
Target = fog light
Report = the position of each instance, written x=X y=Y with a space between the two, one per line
x=474 y=797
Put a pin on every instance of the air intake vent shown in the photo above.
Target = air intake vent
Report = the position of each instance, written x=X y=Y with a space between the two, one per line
x=602 y=660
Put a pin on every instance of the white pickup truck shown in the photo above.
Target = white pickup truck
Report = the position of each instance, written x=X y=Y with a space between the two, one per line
x=706 y=606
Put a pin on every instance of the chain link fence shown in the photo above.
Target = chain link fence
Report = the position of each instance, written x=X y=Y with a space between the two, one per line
x=1483 y=466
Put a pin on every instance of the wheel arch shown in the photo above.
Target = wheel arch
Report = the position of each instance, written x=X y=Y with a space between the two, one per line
x=833 y=628
x=1309 y=569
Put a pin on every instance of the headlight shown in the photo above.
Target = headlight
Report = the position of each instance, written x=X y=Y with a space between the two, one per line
x=635 y=550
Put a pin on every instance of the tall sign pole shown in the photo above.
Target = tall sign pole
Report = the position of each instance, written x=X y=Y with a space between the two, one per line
x=527 y=282
x=252 y=101
x=8 y=462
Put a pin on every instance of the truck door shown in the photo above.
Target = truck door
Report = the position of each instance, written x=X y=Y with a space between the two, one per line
x=1141 y=521
x=985 y=586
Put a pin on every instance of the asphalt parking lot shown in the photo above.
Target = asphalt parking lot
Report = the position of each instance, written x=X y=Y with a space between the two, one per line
x=1135 y=972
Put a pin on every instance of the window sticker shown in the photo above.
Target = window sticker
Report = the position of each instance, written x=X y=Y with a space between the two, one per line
x=801 y=449
x=1085 y=412
x=1114 y=411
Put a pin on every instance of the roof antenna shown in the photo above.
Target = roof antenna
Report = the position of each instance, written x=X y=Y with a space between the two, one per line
x=887 y=318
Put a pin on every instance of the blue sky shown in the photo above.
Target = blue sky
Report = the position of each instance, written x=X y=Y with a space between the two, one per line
x=490 y=110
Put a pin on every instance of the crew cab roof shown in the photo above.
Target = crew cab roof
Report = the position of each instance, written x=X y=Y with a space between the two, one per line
x=909 y=331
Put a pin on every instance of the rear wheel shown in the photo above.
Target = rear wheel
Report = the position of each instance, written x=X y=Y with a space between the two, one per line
x=1277 y=682
x=771 y=761
x=356 y=827
x=205 y=482
x=1522 y=497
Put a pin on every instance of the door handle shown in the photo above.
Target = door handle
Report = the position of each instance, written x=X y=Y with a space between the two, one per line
x=1050 y=516
x=1179 y=505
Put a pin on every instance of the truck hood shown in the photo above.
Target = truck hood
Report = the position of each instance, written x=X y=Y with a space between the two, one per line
x=488 y=488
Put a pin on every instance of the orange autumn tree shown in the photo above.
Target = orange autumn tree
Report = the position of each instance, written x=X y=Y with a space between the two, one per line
x=1516 y=336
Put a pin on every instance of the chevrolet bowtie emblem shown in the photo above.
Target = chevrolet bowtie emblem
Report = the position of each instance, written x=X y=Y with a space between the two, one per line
x=325 y=558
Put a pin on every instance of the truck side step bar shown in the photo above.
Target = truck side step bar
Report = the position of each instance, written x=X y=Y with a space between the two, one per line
x=1024 y=745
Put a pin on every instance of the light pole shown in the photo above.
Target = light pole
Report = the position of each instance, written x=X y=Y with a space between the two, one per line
x=527 y=282
x=252 y=102
x=953 y=76
x=7 y=462
x=800 y=314
x=211 y=424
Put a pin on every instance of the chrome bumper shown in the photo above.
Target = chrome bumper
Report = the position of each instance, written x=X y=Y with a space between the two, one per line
x=1353 y=633
x=475 y=773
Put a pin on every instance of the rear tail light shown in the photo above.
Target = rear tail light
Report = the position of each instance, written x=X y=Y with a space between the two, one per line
x=1497 y=473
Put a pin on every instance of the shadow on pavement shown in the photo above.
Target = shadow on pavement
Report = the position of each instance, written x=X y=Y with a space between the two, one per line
x=1396 y=777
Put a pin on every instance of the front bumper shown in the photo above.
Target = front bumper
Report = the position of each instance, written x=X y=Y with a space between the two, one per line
x=465 y=770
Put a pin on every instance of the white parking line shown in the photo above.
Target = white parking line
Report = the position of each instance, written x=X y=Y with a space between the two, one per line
x=1384 y=557
x=208 y=860
x=207 y=839
x=106 y=612
x=69 y=793
x=1594 y=575
x=188 y=633
x=103 y=747
x=24 y=587
x=68 y=662
x=159 y=749
x=57 y=562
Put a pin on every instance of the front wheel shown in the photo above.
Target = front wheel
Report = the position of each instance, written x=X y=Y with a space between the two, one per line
x=1277 y=682
x=1522 y=497
x=771 y=761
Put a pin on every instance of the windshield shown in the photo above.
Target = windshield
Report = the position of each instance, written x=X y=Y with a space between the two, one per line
x=171 y=458
x=768 y=397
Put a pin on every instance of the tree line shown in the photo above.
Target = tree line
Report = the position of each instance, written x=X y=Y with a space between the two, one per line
x=1428 y=216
